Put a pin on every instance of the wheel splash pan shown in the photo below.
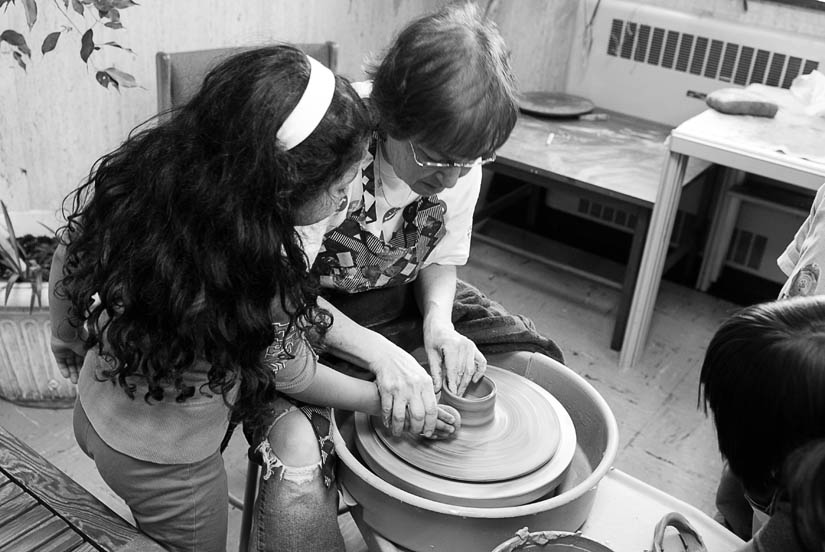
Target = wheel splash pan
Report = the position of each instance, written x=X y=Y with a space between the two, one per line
x=424 y=525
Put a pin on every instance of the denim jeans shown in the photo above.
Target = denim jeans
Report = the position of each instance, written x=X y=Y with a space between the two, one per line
x=297 y=506
x=182 y=506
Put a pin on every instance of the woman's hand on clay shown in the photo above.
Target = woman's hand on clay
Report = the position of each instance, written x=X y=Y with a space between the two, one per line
x=452 y=357
x=407 y=396
x=69 y=357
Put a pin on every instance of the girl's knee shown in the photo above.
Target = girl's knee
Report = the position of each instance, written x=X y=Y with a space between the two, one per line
x=291 y=449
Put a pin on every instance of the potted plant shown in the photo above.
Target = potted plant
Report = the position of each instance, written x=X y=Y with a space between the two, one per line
x=28 y=372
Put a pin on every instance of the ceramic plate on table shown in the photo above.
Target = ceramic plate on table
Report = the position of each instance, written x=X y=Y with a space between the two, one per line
x=553 y=104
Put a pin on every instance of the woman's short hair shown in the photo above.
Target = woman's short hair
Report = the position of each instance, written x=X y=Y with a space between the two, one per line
x=446 y=83
x=763 y=378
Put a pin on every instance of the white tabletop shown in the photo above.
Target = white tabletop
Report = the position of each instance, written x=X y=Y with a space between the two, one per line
x=626 y=510
x=789 y=147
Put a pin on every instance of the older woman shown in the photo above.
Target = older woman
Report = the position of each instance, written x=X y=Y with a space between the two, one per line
x=444 y=99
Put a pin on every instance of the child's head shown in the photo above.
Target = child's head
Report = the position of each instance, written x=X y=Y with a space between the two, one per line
x=803 y=480
x=763 y=378
x=445 y=82
x=186 y=231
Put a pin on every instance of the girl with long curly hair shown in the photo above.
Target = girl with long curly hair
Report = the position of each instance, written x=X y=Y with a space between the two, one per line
x=181 y=292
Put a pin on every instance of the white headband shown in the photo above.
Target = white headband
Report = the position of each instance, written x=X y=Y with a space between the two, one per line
x=311 y=108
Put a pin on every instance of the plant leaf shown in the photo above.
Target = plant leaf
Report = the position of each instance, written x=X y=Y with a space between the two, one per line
x=31 y=12
x=5 y=3
x=15 y=39
x=18 y=57
x=12 y=237
x=77 y=6
x=113 y=25
x=87 y=45
x=65 y=3
x=37 y=290
x=51 y=230
x=50 y=42
x=123 y=4
x=116 y=45
x=10 y=284
x=121 y=78
x=103 y=78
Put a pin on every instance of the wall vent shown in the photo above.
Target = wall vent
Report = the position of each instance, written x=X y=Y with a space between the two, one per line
x=616 y=217
x=714 y=59
x=746 y=249
x=607 y=214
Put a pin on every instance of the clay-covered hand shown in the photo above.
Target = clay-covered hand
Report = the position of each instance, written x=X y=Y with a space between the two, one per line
x=69 y=356
x=406 y=390
x=448 y=423
x=452 y=357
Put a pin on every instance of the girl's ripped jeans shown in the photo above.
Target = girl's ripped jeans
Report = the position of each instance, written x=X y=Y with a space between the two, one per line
x=297 y=504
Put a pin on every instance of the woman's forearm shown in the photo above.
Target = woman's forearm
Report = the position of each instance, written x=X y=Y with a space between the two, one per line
x=350 y=341
x=435 y=292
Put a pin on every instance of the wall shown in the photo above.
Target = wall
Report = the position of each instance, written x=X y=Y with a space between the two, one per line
x=760 y=13
x=55 y=120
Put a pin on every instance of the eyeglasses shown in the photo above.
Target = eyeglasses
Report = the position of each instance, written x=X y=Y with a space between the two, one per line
x=449 y=164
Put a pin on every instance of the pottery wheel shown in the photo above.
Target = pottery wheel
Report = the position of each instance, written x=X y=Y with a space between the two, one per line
x=554 y=104
x=522 y=437
x=508 y=489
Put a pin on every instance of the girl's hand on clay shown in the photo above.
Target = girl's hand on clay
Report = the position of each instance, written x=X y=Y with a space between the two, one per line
x=448 y=423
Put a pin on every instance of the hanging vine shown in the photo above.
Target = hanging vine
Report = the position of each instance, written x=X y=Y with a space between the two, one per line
x=103 y=12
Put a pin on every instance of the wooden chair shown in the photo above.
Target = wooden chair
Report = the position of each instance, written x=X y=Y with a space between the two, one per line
x=179 y=75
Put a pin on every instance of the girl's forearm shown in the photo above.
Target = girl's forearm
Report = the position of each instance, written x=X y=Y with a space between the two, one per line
x=332 y=388
x=59 y=307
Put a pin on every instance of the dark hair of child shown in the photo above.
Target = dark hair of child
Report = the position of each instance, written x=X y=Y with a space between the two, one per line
x=803 y=481
x=763 y=378
x=186 y=231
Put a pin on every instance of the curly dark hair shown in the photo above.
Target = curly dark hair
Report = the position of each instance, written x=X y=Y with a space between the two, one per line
x=187 y=230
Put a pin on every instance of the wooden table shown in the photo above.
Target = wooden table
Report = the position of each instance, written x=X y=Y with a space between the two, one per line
x=43 y=510
x=789 y=148
x=618 y=157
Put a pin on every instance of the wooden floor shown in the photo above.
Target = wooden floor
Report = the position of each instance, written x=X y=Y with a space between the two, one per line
x=665 y=439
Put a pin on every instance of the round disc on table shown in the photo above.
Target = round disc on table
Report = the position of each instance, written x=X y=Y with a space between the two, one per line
x=523 y=436
x=554 y=104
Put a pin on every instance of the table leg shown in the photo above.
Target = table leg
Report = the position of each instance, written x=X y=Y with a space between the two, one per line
x=631 y=273
x=653 y=258
x=721 y=229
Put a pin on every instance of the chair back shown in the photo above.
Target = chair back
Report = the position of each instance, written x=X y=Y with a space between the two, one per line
x=180 y=74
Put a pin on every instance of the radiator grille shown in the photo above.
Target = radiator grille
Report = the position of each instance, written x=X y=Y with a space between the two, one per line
x=703 y=56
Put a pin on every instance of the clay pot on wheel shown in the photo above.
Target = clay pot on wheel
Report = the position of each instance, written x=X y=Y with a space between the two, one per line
x=423 y=524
